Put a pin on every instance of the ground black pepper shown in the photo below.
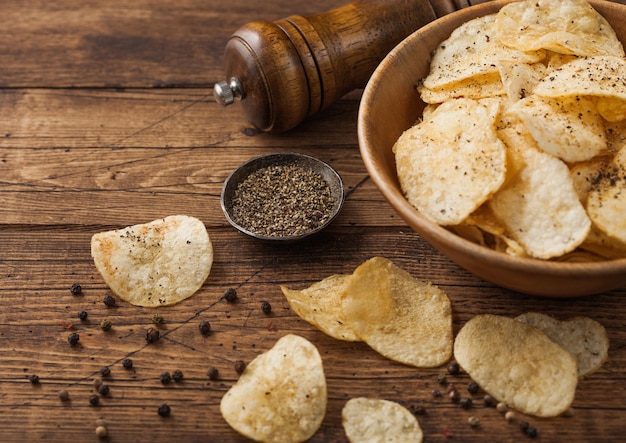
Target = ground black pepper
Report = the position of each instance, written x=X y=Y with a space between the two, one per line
x=73 y=338
x=76 y=289
x=282 y=201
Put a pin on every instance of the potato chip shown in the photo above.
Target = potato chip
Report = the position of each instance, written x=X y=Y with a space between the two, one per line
x=569 y=128
x=585 y=174
x=154 y=264
x=600 y=244
x=517 y=364
x=606 y=202
x=477 y=87
x=564 y=26
x=519 y=79
x=281 y=396
x=471 y=51
x=373 y=420
x=601 y=76
x=540 y=207
x=453 y=162
x=612 y=109
x=320 y=305
x=616 y=135
x=582 y=337
x=403 y=319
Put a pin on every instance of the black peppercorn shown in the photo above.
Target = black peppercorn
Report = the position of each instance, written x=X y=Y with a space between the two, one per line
x=34 y=379
x=177 y=375
x=106 y=324
x=472 y=387
x=488 y=401
x=94 y=400
x=230 y=295
x=82 y=315
x=266 y=307
x=466 y=403
x=103 y=389
x=158 y=319
x=152 y=335
x=108 y=300
x=165 y=378
x=105 y=371
x=164 y=410
x=76 y=289
x=531 y=431
x=455 y=396
x=453 y=368
x=240 y=366
x=436 y=393
x=73 y=338
x=127 y=363
x=419 y=410
x=64 y=395
x=524 y=426
x=213 y=373
x=204 y=327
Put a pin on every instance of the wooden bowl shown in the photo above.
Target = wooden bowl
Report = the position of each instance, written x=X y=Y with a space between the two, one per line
x=391 y=104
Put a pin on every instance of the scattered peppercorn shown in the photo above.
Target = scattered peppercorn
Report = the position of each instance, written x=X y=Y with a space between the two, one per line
x=455 y=396
x=488 y=401
x=158 y=319
x=106 y=324
x=82 y=315
x=441 y=379
x=266 y=307
x=240 y=366
x=73 y=338
x=419 y=410
x=152 y=335
x=104 y=389
x=509 y=416
x=177 y=375
x=76 y=289
x=502 y=407
x=453 y=368
x=164 y=410
x=94 y=400
x=204 y=327
x=466 y=403
x=472 y=387
x=97 y=382
x=101 y=431
x=531 y=431
x=33 y=379
x=436 y=393
x=230 y=295
x=165 y=378
x=108 y=300
x=524 y=426
x=105 y=371
x=473 y=421
x=127 y=363
x=213 y=373
x=63 y=395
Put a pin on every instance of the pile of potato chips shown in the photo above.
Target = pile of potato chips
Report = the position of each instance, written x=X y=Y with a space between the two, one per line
x=520 y=144
x=400 y=317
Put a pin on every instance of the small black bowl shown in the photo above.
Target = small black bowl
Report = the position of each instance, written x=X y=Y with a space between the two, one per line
x=332 y=178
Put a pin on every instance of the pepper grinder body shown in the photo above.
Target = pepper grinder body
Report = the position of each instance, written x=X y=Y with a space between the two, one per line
x=290 y=69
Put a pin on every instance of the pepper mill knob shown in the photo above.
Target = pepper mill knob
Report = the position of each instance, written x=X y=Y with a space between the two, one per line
x=285 y=71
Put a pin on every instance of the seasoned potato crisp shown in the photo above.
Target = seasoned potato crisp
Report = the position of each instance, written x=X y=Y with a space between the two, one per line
x=320 y=305
x=449 y=165
x=372 y=420
x=403 y=319
x=582 y=337
x=281 y=395
x=154 y=264
x=517 y=364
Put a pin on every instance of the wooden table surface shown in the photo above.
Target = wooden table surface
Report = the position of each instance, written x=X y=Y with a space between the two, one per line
x=107 y=119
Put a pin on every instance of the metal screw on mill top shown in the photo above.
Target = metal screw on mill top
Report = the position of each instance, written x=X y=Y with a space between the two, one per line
x=226 y=92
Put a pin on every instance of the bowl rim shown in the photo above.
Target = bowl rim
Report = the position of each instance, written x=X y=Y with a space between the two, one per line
x=440 y=234
x=329 y=174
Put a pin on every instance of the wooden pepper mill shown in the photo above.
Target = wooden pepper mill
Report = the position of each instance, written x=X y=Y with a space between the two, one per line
x=290 y=69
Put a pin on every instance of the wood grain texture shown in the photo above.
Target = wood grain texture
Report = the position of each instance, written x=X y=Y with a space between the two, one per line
x=106 y=119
